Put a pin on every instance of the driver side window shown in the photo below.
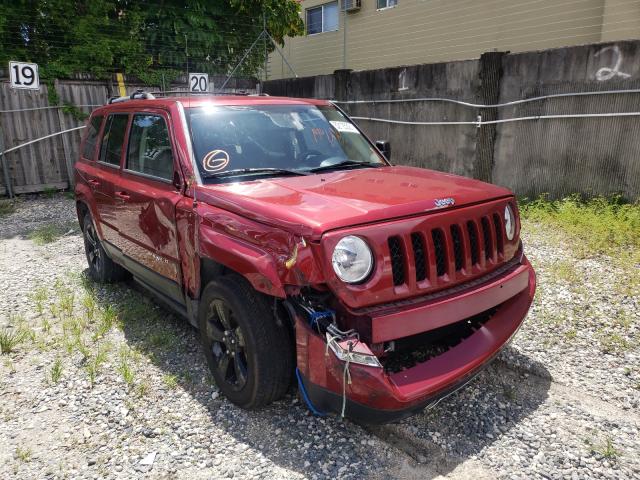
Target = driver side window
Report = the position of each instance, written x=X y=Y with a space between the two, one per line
x=149 y=147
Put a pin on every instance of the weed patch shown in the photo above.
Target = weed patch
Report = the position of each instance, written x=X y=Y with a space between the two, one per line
x=596 y=226
x=46 y=234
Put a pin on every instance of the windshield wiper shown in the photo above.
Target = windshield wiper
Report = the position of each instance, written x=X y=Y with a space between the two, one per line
x=346 y=163
x=251 y=171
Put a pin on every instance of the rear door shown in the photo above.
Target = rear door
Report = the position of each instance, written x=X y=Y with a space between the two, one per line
x=146 y=201
x=107 y=174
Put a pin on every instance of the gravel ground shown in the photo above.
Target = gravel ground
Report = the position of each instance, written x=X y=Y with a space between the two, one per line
x=561 y=402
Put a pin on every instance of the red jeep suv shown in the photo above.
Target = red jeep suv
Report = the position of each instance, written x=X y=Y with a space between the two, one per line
x=280 y=231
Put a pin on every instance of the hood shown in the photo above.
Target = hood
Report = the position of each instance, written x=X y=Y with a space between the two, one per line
x=314 y=204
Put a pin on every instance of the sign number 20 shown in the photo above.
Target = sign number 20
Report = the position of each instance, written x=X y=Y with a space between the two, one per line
x=198 y=82
x=24 y=75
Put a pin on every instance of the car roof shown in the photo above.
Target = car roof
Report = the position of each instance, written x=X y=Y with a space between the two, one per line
x=202 y=100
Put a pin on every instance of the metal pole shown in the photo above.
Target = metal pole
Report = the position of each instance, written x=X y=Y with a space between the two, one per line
x=5 y=167
x=242 y=59
x=264 y=29
x=186 y=52
x=344 y=35
x=281 y=54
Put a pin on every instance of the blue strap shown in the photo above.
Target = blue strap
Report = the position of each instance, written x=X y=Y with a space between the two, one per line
x=313 y=409
x=315 y=316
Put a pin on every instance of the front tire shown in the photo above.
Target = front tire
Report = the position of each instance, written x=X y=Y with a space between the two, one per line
x=101 y=268
x=250 y=356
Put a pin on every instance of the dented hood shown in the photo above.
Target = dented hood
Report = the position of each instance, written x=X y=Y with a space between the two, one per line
x=314 y=204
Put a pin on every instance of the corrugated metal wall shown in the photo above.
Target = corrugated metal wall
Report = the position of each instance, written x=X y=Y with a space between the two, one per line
x=49 y=163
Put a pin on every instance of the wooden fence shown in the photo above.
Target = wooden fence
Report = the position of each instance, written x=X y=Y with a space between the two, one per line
x=27 y=115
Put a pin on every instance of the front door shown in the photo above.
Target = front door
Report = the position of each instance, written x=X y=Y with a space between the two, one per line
x=107 y=174
x=146 y=205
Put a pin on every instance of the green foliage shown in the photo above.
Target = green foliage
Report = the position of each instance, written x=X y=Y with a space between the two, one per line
x=7 y=207
x=144 y=39
x=46 y=234
x=9 y=340
x=599 y=225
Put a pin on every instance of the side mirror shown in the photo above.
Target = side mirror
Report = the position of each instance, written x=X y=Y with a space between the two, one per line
x=385 y=148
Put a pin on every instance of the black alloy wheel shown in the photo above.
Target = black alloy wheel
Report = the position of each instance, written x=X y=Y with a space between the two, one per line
x=227 y=344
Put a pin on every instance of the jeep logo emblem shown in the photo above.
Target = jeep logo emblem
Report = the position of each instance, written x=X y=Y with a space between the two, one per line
x=444 y=202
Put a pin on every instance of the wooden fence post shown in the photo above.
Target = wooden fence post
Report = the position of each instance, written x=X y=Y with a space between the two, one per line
x=5 y=167
x=69 y=162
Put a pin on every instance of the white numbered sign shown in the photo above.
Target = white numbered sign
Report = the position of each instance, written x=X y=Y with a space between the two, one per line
x=198 y=82
x=24 y=75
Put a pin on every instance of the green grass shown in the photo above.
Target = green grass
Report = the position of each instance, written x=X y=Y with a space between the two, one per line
x=596 y=226
x=23 y=454
x=606 y=449
x=125 y=368
x=46 y=234
x=56 y=371
x=94 y=363
x=171 y=381
x=7 y=207
x=9 y=340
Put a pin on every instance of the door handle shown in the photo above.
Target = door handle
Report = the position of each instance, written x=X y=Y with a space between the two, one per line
x=123 y=195
x=93 y=183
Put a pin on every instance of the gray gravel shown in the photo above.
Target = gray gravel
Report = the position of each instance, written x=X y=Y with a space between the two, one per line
x=561 y=402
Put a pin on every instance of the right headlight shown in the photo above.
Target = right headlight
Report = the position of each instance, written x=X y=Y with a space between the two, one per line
x=352 y=259
x=509 y=222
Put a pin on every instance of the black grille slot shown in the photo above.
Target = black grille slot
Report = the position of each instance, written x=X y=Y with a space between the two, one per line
x=440 y=251
x=473 y=241
x=397 y=261
x=419 y=254
x=486 y=233
x=498 y=224
x=458 y=249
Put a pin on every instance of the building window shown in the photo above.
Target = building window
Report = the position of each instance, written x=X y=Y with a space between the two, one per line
x=323 y=18
x=387 y=3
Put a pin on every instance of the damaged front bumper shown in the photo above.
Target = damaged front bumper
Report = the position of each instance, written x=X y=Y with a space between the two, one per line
x=489 y=314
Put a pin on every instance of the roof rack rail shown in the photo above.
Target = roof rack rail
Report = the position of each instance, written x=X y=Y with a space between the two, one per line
x=137 y=95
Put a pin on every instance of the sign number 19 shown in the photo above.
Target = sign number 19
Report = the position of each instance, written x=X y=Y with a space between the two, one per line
x=24 y=75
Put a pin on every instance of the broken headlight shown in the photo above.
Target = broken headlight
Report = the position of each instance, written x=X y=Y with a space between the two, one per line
x=353 y=350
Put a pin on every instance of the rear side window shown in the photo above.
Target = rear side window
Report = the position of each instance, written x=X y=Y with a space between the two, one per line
x=113 y=138
x=150 y=147
x=92 y=137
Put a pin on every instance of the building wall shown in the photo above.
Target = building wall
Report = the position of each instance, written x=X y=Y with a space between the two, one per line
x=428 y=31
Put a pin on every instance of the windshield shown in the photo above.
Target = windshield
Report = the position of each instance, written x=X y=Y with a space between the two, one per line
x=257 y=140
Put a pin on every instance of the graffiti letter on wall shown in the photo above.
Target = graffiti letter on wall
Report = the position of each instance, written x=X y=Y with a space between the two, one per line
x=402 y=78
x=606 y=73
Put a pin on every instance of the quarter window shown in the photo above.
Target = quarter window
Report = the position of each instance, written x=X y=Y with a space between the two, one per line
x=323 y=18
x=113 y=138
x=387 y=3
x=149 y=147
x=92 y=137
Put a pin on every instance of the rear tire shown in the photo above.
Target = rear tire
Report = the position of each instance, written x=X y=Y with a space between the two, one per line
x=251 y=358
x=101 y=268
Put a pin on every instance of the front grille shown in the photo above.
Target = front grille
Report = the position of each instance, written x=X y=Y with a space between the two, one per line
x=441 y=254
x=440 y=251
x=499 y=240
x=458 y=251
x=397 y=262
x=473 y=242
x=486 y=235
x=420 y=257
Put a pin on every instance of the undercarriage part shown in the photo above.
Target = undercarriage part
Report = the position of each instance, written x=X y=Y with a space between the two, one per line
x=409 y=351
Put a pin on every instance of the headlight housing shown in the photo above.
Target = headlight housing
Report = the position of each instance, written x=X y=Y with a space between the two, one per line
x=352 y=259
x=509 y=222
